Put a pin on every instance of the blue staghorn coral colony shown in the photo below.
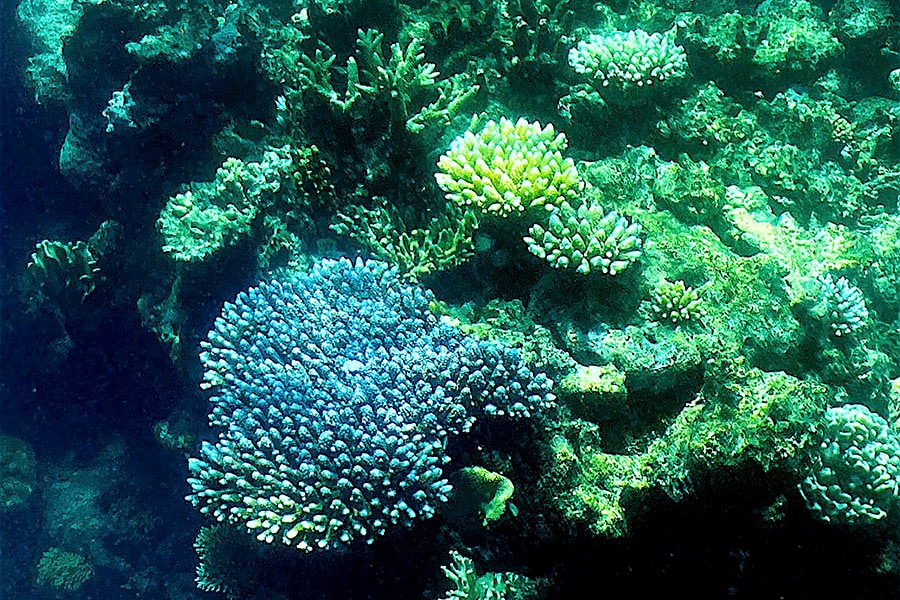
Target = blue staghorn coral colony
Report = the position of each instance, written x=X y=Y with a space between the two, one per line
x=337 y=390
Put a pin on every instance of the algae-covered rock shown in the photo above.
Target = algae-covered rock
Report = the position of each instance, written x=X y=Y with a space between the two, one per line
x=742 y=420
x=17 y=472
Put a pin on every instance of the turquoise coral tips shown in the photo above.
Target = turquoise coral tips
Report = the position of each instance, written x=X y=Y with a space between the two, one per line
x=336 y=390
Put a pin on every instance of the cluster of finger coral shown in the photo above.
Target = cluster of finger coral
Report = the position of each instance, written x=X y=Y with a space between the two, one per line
x=587 y=239
x=627 y=60
x=336 y=390
x=676 y=302
x=857 y=469
x=845 y=305
x=508 y=168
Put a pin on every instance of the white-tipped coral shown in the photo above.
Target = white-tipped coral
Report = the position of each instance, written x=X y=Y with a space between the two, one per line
x=627 y=60
x=586 y=239
x=845 y=306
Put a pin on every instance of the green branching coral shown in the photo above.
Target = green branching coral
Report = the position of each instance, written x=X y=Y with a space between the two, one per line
x=626 y=62
x=444 y=242
x=411 y=87
x=586 y=239
x=675 y=302
x=508 y=168
x=856 y=473
x=63 y=570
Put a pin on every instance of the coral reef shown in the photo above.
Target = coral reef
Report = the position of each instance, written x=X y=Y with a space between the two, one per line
x=338 y=390
x=683 y=213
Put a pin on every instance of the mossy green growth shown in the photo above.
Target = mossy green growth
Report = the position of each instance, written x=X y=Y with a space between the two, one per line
x=602 y=380
x=586 y=484
x=708 y=119
x=508 y=323
x=805 y=253
x=690 y=190
x=506 y=169
x=741 y=417
x=212 y=215
x=796 y=36
x=747 y=310
x=63 y=570
x=17 y=472
x=593 y=392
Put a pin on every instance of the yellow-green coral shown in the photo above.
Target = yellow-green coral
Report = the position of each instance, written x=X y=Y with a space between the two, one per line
x=488 y=490
x=508 y=168
x=63 y=570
